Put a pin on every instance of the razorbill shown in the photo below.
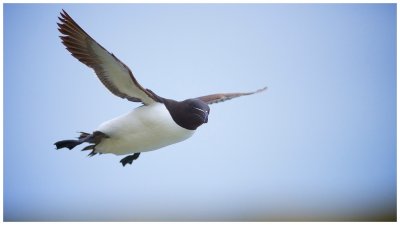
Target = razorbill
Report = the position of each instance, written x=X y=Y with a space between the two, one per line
x=157 y=123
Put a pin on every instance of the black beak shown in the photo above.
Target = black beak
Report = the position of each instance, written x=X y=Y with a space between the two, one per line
x=205 y=118
x=203 y=114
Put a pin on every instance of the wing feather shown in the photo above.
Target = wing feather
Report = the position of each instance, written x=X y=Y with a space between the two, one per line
x=111 y=71
x=216 y=98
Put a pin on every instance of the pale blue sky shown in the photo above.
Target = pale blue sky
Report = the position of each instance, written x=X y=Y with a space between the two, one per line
x=320 y=144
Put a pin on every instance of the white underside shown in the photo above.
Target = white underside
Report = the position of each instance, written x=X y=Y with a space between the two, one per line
x=144 y=129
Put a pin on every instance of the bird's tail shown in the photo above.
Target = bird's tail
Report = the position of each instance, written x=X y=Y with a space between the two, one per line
x=94 y=138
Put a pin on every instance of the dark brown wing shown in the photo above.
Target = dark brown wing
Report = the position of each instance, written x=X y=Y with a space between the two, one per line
x=113 y=73
x=215 y=98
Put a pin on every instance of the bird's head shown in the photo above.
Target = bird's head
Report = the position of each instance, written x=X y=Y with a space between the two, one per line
x=190 y=113
x=198 y=110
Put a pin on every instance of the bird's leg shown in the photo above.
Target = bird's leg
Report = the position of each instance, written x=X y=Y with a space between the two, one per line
x=94 y=138
x=129 y=159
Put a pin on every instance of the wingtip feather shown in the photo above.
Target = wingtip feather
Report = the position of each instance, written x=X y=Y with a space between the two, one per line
x=63 y=13
x=261 y=90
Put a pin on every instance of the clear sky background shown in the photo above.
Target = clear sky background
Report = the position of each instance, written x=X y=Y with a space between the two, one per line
x=319 y=144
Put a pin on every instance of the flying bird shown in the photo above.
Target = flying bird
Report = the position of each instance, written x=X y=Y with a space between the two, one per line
x=155 y=124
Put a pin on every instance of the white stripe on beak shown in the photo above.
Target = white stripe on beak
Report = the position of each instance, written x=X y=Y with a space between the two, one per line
x=204 y=111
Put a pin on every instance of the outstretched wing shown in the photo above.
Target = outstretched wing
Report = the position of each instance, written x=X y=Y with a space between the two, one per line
x=113 y=73
x=215 y=98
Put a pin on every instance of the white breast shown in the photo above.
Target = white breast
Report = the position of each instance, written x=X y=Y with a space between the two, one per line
x=145 y=128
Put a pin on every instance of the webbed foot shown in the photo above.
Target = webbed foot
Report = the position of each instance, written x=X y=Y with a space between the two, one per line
x=129 y=159
x=94 y=138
